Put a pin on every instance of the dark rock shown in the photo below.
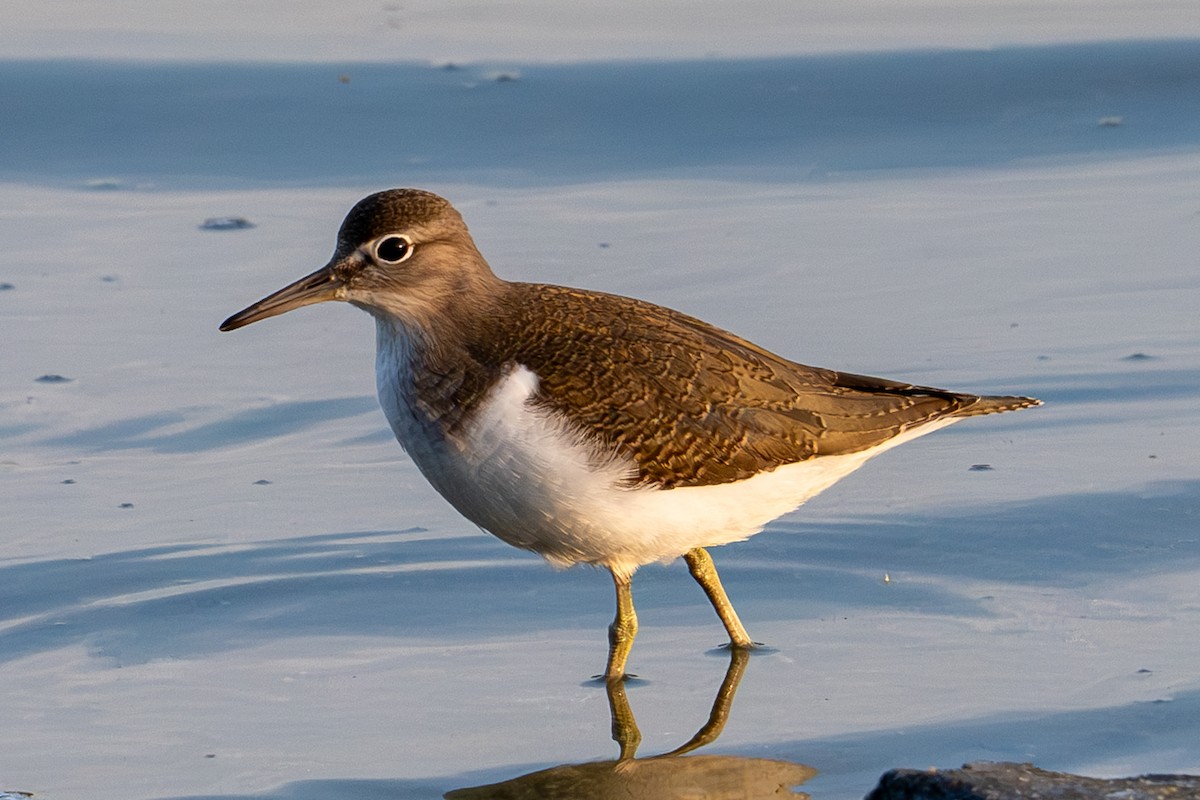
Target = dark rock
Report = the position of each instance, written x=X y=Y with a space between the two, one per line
x=1006 y=781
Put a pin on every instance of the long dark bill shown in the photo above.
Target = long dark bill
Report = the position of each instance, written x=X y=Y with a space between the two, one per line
x=319 y=287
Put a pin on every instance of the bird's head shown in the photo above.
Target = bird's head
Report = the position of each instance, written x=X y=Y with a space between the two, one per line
x=402 y=253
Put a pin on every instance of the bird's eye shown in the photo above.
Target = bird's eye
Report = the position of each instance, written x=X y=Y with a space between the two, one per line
x=393 y=249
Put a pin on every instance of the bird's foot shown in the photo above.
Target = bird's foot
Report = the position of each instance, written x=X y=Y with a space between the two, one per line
x=626 y=678
x=754 y=648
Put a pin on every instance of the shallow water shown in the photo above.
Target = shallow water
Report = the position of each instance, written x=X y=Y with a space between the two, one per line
x=220 y=578
x=783 y=119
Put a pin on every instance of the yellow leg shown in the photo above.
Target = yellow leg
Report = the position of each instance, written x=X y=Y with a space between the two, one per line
x=701 y=566
x=623 y=629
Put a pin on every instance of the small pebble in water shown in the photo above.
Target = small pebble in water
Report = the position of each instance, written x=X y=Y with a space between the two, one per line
x=980 y=467
x=103 y=184
x=226 y=224
x=50 y=378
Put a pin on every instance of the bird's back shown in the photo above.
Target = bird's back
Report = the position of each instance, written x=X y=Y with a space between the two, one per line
x=692 y=404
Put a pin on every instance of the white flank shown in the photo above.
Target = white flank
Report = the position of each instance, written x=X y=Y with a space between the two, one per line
x=525 y=475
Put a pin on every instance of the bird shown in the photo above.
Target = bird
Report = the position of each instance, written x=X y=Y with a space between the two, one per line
x=593 y=428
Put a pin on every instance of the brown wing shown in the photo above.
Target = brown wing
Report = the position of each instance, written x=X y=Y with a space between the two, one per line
x=695 y=405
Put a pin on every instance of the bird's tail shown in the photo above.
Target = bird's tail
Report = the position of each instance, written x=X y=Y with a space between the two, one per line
x=995 y=404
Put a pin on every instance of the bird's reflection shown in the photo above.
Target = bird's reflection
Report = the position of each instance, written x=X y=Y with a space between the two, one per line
x=669 y=775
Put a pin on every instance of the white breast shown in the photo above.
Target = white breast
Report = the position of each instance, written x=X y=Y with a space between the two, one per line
x=522 y=473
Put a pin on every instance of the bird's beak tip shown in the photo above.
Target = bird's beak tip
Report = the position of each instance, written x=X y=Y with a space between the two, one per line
x=319 y=287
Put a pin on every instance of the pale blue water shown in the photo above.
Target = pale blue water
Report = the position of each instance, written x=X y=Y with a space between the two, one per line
x=778 y=119
x=1022 y=603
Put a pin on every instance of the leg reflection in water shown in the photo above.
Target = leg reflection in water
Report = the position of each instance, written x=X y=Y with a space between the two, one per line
x=669 y=775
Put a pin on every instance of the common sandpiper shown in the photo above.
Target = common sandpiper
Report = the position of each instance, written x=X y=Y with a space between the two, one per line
x=592 y=428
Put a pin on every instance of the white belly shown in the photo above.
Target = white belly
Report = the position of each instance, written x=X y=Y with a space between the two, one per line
x=522 y=474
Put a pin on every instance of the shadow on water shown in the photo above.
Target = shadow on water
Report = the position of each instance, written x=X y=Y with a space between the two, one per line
x=849 y=764
x=674 y=774
x=787 y=118
x=1062 y=541
x=243 y=427
x=187 y=600
x=184 y=600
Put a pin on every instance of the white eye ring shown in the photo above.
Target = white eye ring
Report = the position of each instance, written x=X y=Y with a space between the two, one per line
x=393 y=248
